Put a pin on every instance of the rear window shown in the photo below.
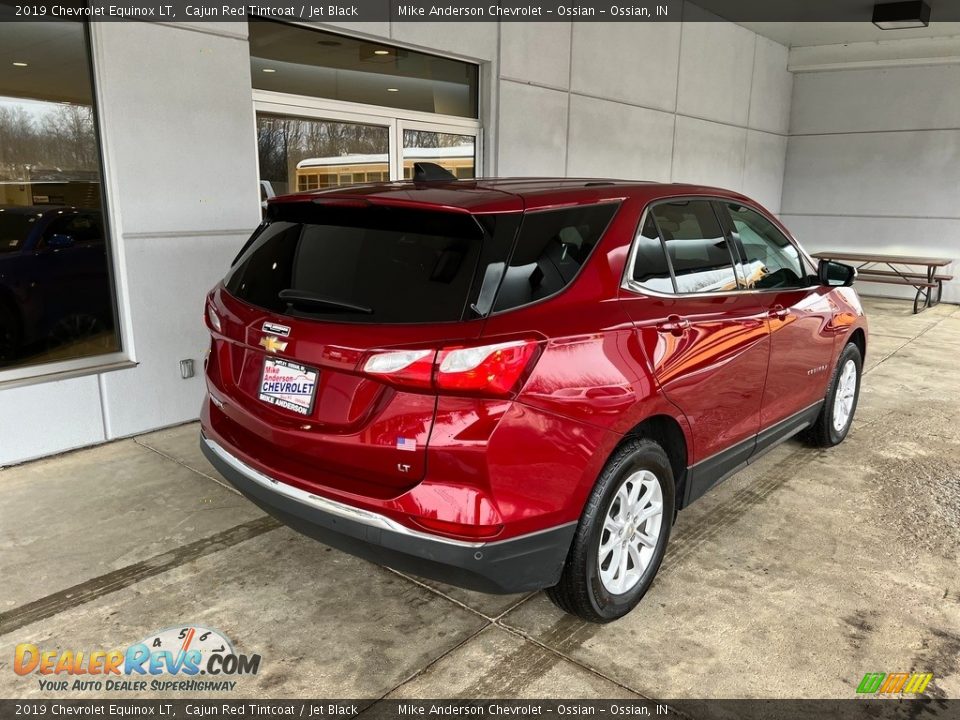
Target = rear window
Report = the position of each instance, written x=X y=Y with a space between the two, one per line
x=370 y=264
x=551 y=248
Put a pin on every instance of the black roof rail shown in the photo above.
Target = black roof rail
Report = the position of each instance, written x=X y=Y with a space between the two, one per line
x=431 y=172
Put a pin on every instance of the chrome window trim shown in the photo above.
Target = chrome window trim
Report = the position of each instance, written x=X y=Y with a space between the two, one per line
x=332 y=507
x=630 y=285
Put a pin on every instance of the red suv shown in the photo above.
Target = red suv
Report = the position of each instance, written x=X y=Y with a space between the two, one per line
x=512 y=384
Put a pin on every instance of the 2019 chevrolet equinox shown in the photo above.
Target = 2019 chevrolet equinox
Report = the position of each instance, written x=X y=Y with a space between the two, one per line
x=512 y=384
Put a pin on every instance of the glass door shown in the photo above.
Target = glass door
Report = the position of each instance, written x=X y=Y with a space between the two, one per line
x=449 y=148
x=308 y=144
x=301 y=153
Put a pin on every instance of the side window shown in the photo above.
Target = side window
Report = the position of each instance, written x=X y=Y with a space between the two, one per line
x=769 y=258
x=699 y=253
x=551 y=247
x=650 y=268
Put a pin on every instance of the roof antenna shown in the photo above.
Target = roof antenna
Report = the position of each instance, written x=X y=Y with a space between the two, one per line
x=431 y=172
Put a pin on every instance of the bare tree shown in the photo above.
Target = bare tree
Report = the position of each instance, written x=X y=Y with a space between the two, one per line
x=61 y=138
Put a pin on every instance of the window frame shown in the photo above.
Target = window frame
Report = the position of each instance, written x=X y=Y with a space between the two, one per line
x=630 y=285
x=124 y=356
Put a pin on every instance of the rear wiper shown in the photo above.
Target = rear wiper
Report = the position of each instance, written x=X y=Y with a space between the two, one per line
x=304 y=297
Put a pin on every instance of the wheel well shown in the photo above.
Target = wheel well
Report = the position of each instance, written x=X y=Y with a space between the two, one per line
x=859 y=338
x=669 y=435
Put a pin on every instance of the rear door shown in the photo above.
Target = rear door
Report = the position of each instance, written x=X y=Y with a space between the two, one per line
x=798 y=311
x=707 y=343
x=308 y=301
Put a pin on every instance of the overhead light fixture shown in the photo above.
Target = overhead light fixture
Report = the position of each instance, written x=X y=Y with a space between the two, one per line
x=393 y=89
x=269 y=70
x=20 y=64
x=369 y=52
x=901 y=15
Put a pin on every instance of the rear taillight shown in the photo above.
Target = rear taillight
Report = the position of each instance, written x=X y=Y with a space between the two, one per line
x=213 y=320
x=483 y=370
x=410 y=368
x=489 y=368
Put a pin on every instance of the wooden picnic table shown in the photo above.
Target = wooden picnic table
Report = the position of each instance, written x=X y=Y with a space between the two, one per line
x=913 y=270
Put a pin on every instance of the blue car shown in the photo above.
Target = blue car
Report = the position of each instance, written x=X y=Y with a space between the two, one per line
x=54 y=283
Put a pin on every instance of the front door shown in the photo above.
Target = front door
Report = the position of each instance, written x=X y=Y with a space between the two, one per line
x=706 y=342
x=798 y=311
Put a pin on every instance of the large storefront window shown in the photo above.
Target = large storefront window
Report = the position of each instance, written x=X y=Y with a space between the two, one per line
x=334 y=110
x=56 y=291
x=300 y=61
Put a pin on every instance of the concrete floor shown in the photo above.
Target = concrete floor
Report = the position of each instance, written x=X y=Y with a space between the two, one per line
x=792 y=579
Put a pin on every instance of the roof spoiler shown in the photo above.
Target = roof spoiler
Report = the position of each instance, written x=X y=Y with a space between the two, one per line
x=431 y=172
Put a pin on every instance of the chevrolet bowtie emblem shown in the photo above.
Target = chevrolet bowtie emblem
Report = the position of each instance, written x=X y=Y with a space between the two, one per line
x=273 y=344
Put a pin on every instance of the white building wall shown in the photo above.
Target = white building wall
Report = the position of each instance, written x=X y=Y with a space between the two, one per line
x=699 y=103
x=702 y=102
x=873 y=164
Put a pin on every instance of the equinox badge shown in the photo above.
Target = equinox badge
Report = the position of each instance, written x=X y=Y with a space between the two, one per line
x=276 y=329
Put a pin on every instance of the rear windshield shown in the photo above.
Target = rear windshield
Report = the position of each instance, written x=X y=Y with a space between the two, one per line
x=389 y=265
x=370 y=264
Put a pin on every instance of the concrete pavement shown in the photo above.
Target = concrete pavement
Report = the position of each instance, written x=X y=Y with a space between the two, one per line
x=791 y=579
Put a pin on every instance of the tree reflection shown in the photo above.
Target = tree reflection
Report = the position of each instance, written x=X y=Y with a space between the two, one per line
x=46 y=141
x=284 y=141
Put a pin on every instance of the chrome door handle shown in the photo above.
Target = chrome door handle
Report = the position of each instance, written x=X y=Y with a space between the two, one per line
x=675 y=325
x=779 y=312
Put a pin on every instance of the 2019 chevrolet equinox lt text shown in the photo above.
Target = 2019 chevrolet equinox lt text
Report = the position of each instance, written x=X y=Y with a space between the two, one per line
x=513 y=384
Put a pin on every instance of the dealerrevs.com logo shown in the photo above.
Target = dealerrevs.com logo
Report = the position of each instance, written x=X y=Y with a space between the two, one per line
x=186 y=659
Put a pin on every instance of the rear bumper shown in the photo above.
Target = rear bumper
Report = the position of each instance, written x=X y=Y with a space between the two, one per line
x=529 y=562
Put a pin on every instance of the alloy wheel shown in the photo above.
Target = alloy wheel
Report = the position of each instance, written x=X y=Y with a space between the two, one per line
x=631 y=530
x=843 y=400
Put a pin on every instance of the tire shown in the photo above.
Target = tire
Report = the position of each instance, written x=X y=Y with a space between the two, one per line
x=825 y=431
x=588 y=586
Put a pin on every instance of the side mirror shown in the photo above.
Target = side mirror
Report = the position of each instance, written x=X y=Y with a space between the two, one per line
x=58 y=241
x=834 y=274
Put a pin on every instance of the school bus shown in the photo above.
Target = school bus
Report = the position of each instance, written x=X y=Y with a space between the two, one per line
x=323 y=172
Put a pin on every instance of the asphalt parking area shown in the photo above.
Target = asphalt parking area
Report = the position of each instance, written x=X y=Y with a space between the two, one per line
x=791 y=579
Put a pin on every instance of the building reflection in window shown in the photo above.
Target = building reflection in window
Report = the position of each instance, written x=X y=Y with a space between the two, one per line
x=56 y=291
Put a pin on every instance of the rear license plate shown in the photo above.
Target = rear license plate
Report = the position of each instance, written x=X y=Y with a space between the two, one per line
x=288 y=385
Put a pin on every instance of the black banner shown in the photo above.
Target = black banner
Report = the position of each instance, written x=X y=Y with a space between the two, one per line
x=458 y=10
x=448 y=709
